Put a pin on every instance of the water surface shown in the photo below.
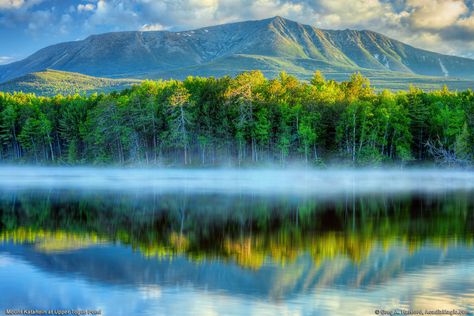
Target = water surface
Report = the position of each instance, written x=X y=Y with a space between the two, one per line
x=230 y=242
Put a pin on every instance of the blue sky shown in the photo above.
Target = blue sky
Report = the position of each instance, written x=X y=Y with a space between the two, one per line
x=445 y=26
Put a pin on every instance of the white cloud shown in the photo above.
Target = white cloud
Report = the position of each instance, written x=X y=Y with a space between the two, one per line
x=152 y=27
x=436 y=14
x=356 y=12
x=115 y=14
x=85 y=7
x=6 y=60
x=187 y=14
x=10 y=4
x=16 y=4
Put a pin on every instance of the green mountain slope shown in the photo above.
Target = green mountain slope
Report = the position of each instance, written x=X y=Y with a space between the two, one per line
x=52 y=82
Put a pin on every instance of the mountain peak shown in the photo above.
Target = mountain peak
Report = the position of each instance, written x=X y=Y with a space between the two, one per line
x=280 y=20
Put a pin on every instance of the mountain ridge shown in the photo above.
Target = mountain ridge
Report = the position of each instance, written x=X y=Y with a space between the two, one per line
x=272 y=45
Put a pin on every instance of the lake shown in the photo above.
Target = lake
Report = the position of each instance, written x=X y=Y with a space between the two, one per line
x=236 y=242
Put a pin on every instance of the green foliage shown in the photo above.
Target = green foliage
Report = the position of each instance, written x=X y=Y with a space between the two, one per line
x=52 y=82
x=243 y=120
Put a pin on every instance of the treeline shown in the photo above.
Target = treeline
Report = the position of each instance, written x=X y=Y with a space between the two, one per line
x=243 y=120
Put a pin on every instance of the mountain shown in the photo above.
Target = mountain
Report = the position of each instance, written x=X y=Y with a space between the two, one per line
x=271 y=45
x=52 y=82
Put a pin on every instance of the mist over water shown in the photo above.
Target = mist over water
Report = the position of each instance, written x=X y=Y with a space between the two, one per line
x=237 y=181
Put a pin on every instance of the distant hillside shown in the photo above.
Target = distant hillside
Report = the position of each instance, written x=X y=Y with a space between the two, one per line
x=52 y=82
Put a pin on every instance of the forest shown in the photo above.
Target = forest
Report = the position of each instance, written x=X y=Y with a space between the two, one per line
x=241 y=121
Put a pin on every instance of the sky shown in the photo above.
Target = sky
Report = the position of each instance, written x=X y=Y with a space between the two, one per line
x=445 y=26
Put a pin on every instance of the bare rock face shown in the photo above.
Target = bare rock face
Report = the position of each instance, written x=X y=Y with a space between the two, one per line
x=271 y=45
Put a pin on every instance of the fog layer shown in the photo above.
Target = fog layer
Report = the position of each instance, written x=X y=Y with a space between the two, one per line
x=236 y=181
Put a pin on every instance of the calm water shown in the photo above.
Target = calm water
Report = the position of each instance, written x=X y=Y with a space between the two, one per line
x=182 y=242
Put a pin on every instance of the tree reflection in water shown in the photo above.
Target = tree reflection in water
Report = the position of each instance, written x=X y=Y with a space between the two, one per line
x=245 y=229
